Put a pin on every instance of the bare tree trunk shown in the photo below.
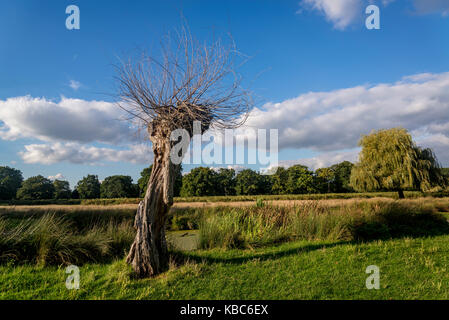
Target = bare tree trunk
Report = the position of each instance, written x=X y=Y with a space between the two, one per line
x=148 y=254
x=401 y=194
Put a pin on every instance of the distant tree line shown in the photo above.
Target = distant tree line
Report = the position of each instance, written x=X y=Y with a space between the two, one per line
x=13 y=186
x=200 y=181
x=389 y=160
x=297 y=179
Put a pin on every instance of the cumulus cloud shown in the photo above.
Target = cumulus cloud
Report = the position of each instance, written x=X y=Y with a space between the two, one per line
x=340 y=12
x=70 y=120
x=82 y=154
x=335 y=120
x=325 y=122
x=58 y=176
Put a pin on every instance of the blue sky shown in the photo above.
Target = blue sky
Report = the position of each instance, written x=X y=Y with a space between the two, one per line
x=311 y=60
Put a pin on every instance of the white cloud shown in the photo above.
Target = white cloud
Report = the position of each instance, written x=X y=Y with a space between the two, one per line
x=58 y=176
x=335 y=120
x=326 y=122
x=75 y=85
x=68 y=127
x=81 y=154
x=70 y=120
x=341 y=13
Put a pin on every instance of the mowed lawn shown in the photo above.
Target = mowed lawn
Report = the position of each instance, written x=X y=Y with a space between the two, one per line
x=409 y=269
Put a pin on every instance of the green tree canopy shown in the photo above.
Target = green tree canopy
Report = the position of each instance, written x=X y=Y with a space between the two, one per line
x=75 y=194
x=265 y=184
x=445 y=173
x=89 y=187
x=225 y=182
x=62 y=189
x=390 y=160
x=325 y=179
x=335 y=178
x=118 y=187
x=178 y=182
x=249 y=182
x=300 y=180
x=143 y=180
x=199 y=182
x=36 y=188
x=279 y=181
x=10 y=181
x=342 y=176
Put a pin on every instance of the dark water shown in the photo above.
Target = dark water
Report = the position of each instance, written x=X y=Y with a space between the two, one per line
x=183 y=240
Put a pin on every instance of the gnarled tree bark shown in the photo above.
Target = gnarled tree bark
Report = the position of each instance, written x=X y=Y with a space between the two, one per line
x=148 y=254
x=193 y=81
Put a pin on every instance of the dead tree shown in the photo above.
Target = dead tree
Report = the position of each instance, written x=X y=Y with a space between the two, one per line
x=190 y=81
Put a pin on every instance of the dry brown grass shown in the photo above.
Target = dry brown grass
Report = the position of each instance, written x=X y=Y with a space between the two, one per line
x=68 y=207
x=185 y=205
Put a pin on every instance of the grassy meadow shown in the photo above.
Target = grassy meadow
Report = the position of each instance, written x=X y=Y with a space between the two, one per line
x=266 y=249
x=219 y=199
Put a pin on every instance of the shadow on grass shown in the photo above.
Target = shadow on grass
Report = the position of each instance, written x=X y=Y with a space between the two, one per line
x=182 y=258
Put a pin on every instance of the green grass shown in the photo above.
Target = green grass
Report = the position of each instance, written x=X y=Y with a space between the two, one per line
x=409 y=269
x=282 y=253
x=81 y=236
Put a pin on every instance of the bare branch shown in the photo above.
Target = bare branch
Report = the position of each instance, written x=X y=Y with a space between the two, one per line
x=192 y=80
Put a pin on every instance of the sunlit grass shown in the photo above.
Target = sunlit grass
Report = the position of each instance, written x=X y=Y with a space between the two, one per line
x=277 y=257
x=409 y=269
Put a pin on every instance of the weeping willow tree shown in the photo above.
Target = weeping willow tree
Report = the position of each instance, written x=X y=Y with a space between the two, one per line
x=390 y=160
x=188 y=81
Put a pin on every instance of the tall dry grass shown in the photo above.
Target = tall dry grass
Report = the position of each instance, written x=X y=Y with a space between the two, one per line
x=77 y=234
x=355 y=221
x=52 y=239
